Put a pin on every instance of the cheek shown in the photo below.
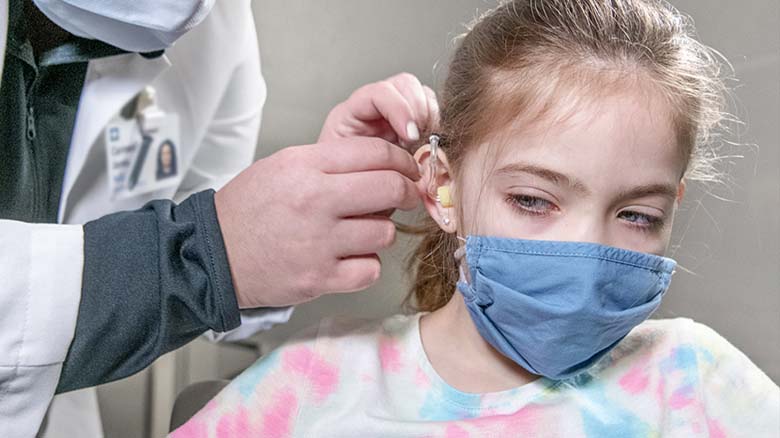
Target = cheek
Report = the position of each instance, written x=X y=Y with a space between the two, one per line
x=480 y=213
x=641 y=242
x=489 y=214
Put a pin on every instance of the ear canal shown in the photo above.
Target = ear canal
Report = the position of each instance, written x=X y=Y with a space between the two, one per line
x=444 y=197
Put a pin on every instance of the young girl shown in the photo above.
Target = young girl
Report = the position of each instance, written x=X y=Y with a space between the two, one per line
x=568 y=131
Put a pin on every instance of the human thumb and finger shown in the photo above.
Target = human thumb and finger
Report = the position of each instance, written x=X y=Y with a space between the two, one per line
x=399 y=109
x=310 y=220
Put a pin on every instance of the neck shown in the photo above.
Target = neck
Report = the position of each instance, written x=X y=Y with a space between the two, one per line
x=462 y=357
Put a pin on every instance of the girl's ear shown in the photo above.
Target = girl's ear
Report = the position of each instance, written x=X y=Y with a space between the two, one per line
x=437 y=191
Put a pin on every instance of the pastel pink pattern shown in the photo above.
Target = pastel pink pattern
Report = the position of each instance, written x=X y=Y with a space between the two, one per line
x=715 y=430
x=278 y=419
x=635 y=380
x=322 y=376
x=234 y=425
x=421 y=379
x=194 y=428
x=389 y=355
x=681 y=398
x=454 y=431
x=382 y=385
x=524 y=422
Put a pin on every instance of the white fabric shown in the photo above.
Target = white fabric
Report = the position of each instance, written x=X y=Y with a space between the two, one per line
x=212 y=79
x=40 y=290
x=252 y=321
x=668 y=378
x=133 y=25
x=69 y=415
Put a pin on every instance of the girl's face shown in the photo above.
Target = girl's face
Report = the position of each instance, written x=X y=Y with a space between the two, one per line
x=608 y=174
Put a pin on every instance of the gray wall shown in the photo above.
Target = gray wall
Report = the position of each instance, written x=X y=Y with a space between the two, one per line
x=733 y=247
x=316 y=53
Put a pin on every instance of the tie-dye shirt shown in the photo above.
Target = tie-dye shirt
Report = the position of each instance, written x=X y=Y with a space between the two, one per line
x=668 y=378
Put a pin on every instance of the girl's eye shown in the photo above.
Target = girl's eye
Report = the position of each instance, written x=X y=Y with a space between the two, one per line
x=642 y=221
x=531 y=204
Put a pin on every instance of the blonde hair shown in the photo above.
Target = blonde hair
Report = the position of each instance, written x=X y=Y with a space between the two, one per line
x=515 y=58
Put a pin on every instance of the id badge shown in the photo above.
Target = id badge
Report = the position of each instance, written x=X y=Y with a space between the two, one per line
x=141 y=160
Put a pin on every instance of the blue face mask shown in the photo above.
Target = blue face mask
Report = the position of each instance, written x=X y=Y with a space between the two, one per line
x=555 y=308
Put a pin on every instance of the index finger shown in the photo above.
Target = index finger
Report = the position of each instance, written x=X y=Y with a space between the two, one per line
x=361 y=154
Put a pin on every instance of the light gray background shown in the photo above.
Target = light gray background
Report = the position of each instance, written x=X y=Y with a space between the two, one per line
x=315 y=53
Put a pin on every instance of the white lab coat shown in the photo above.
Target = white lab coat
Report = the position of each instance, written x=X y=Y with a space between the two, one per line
x=211 y=78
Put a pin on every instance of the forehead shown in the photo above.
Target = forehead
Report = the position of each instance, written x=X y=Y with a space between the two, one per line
x=628 y=135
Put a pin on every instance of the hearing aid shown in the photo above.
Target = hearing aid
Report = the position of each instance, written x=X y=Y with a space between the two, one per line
x=433 y=140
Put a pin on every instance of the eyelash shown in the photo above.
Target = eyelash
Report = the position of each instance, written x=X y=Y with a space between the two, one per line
x=520 y=203
x=517 y=201
x=654 y=223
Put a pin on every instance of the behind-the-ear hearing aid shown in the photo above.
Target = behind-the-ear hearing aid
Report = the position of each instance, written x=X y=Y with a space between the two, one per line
x=433 y=140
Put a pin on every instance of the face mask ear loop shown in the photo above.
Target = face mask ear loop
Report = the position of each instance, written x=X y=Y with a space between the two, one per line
x=460 y=257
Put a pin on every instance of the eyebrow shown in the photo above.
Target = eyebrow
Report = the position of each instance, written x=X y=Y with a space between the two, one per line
x=556 y=178
x=653 y=189
x=665 y=190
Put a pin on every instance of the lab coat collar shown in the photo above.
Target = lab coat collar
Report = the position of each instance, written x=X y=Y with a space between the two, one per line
x=110 y=83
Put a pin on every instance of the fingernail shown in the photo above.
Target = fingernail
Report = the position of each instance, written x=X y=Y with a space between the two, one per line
x=412 y=132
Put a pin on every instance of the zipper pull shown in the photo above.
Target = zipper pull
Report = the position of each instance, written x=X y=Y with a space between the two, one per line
x=31 y=133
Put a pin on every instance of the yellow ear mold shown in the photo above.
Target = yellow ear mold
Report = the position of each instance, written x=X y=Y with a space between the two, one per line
x=444 y=197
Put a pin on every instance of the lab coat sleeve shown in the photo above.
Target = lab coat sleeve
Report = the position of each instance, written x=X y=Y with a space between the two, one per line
x=40 y=288
x=154 y=279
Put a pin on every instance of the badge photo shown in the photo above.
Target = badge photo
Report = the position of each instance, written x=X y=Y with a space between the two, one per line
x=142 y=148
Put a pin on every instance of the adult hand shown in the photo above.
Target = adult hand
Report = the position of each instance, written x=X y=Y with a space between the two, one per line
x=397 y=109
x=301 y=223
